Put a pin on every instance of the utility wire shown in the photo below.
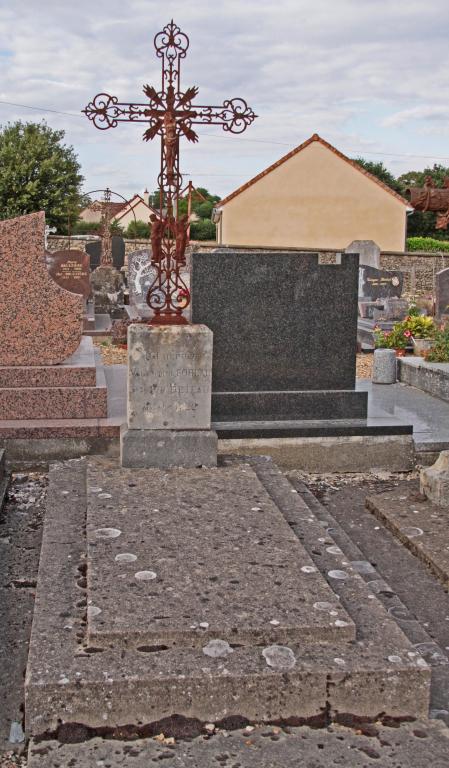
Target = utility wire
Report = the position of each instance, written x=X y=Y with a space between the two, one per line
x=357 y=152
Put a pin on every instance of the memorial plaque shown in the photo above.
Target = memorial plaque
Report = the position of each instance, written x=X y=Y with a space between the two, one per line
x=380 y=283
x=70 y=270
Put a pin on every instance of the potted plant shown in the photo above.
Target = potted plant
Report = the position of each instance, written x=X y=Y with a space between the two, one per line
x=422 y=330
x=439 y=351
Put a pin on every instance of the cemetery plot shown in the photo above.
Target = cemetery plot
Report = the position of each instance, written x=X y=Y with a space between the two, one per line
x=101 y=680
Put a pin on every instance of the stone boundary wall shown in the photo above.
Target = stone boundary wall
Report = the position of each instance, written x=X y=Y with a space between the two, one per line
x=419 y=267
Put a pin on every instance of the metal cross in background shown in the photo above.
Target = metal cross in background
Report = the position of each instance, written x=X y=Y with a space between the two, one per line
x=170 y=114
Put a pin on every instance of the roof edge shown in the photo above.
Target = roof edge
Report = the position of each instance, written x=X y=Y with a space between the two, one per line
x=295 y=151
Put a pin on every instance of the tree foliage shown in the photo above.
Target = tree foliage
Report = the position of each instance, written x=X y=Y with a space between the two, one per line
x=140 y=230
x=38 y=172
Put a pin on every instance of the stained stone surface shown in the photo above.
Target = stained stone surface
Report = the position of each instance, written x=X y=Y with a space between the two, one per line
x=40 y=323
x=169 y=377
x=215 y=559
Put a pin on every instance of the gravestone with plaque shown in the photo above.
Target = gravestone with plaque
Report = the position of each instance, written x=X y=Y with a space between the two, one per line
x=169 y=398
x=70 y=270
x=379 y=283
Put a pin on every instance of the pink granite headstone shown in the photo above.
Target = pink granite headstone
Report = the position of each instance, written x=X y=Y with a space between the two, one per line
x=40 y=323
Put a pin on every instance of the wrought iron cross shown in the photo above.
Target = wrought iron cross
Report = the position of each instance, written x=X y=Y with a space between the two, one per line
x=170 y=113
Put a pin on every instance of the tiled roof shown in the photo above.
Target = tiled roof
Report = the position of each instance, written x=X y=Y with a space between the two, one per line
x=295 y=151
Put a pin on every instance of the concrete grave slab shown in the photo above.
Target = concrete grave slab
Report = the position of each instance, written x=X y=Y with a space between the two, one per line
x=71 y=683
x=180 y=558
x=412 y=745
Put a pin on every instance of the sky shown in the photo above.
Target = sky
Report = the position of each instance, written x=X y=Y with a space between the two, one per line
x=370 y=76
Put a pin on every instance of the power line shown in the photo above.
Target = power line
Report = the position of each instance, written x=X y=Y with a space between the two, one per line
x=358 y=152
x=41 y=109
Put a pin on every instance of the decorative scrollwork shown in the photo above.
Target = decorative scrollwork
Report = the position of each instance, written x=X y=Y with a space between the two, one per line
x=171 y=42
x=171 y=114
x=103 y=111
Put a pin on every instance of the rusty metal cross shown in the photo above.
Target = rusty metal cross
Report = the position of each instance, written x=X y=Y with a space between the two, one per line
x=170 y=114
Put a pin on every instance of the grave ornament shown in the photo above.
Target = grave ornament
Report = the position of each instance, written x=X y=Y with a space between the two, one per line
x=170 y=113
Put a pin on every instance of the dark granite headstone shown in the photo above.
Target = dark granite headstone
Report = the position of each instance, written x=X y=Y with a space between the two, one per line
x=285 y=334
x=380 y=283
x=70 y=270
x=442 y=293
x=118 y=252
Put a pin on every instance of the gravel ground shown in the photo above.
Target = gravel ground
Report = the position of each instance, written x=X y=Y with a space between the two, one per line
x=112 y=355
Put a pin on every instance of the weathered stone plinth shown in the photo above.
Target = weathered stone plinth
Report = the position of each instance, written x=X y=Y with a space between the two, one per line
x=169 y=398
x=434 y=481
x=186 y=593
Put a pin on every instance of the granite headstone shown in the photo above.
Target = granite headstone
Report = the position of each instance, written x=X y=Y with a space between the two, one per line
x=118 y=252
x=70 y=270
x=380 y=283
x=442 y=293
x=40 y=322
x=285 y=334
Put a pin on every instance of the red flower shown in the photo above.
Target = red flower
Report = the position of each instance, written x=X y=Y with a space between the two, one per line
x=407 y=334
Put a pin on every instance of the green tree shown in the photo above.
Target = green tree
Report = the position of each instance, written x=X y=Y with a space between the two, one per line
x=138 y=230
x=38 y=172
x=379 y=170
x=204 y=229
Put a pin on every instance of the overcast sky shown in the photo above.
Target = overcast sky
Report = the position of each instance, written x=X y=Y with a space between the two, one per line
x=370 y=76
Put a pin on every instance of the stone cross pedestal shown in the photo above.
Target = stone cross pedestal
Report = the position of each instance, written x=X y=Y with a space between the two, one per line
x=169 y=398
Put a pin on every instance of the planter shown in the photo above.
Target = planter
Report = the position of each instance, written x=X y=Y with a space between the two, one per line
x=421 y=345
x=384 y=366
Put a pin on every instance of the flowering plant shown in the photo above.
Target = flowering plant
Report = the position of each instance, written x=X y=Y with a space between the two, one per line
x=397 y=338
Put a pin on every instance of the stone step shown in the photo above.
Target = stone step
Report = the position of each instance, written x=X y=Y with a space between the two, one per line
x=79 y=370
x=415 y=745
x=418 y=523
x=53 y=402
x=119 y=681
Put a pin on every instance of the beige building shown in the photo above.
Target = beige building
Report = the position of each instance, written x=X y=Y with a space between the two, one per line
x=313 y=197
x=138 y=209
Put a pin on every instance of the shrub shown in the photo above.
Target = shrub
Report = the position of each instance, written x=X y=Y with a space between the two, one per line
x=204 y=229
x=439 y=352
x=428 y=244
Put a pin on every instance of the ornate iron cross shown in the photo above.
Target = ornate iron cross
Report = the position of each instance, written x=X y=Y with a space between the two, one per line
x=170 y=114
